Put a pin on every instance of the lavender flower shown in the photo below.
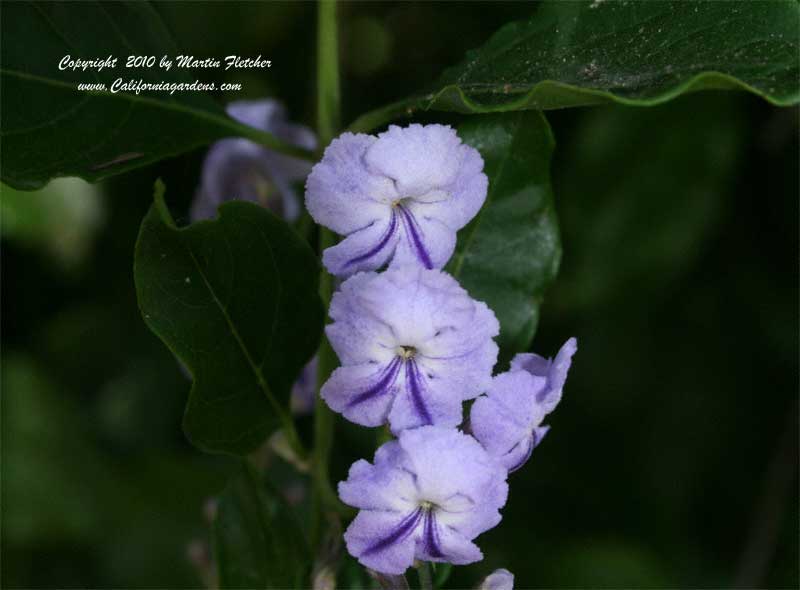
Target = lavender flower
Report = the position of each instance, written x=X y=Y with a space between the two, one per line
x=398 y=198
x=427 y=496
x=413 y=346
x=507 y=421
x=501 y=579
x=240 y=169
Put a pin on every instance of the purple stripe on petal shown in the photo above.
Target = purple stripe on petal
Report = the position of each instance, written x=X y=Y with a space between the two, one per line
x=414 y=384
x=413 y=233
x=388 y=375
x=400 y=532
x=387 y=235
x=430 y=536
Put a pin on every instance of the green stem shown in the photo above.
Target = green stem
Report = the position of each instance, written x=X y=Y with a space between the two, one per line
x=324 y=499
x=328 y=100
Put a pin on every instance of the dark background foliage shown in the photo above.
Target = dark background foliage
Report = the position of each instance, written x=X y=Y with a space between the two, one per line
x=673 y=458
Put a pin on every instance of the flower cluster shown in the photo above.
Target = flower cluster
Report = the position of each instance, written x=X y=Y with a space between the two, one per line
x=414 y=346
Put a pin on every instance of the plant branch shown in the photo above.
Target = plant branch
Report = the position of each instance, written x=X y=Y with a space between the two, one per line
x=328 y=99
x=328 y=104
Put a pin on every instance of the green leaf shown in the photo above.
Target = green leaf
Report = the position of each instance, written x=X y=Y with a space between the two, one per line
x=510 y=251
x=257 y=541
x=635 y=53
x=236 y=300
x=50 y=128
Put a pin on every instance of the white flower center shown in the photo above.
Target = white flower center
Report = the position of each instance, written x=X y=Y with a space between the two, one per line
x=406 y=352
x=427 y=506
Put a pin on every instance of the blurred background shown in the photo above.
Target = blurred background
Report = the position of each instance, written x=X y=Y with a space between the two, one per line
x=672 y=461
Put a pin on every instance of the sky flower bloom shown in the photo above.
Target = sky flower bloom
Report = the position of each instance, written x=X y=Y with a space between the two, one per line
x=508 y=419
x=426 y=496
x=398 y=198
x=413 y=346
x=238 y=168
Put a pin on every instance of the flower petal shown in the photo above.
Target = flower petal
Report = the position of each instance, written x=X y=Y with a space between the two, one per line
x=359 y=333
x=342 y=194
x=519 y=453
x=451 y=341
x=451 y=465
x=423 y=241
x=368 y=248
x=465 y=376
x=506 y=416
x=555 y=371
x=562 y=363
x=374 y=487
x=232 y=169
x=500 y=579
x=362 y=393
x=384 y=541
x=270 y=115
x=484 y=514
x=421 y=400
x=418 y=158
x=466 y=194
x=204 y=205
x=260 y=114
x=442 y=543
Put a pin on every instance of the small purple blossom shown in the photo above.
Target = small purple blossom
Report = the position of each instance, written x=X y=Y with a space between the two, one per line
x=399 y=198
x=238 y=168
x=427 y=496
x=507 y=420
x=413 y=346
x=501 y=579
